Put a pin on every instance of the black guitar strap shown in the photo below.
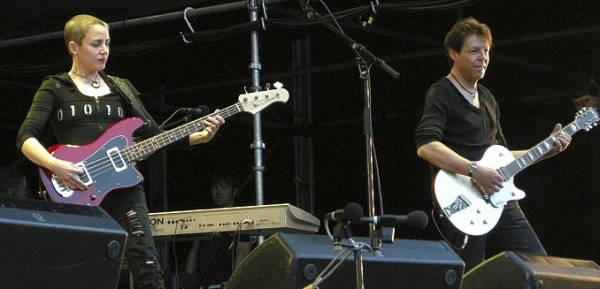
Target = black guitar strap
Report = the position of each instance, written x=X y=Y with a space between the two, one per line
x=496 y=134
x=130 y=94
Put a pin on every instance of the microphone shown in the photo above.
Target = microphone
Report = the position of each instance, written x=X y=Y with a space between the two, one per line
x=352 y=212
x=198 y=111
x=414 y=219
x=190 y=114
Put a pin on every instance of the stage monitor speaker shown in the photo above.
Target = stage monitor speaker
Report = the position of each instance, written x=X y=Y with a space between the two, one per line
x=288 y=261
x=522 y=271
x=58 y=246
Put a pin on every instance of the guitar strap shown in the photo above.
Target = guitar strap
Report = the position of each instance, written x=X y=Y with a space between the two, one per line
x=130 y=94
x=496 y=134
x=127 y=91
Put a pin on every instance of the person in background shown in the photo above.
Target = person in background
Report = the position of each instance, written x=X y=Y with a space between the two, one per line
x=212 y=261
x=587 y=100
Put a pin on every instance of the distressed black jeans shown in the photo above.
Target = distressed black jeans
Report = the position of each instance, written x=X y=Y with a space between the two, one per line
x=128 y=207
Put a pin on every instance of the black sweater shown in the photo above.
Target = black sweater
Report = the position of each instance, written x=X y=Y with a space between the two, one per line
x=450 y=119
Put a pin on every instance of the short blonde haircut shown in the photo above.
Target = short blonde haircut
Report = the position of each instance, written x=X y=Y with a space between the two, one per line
x=78 y=25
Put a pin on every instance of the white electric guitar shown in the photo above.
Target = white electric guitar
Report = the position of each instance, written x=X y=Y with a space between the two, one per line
x=463 y=204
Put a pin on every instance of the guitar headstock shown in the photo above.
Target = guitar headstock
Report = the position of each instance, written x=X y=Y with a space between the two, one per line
x=586 y=118
x=256 y=101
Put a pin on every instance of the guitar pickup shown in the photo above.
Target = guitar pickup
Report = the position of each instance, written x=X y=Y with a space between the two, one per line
x=458 y=205
x=116 y=159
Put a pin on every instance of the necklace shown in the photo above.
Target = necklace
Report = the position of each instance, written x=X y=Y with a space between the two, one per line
x=461 y=86
x=93 y=82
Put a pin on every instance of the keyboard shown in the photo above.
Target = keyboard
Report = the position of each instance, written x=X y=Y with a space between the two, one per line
x=250 y=220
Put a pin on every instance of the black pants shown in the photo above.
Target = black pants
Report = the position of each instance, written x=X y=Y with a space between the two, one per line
x=512 y=233
x=140 y=251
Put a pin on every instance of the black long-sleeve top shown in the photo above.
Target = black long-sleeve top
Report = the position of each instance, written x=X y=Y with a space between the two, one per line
x=79 y=119
x=450 y=119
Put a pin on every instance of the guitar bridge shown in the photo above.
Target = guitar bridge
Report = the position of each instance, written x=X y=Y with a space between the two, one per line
x=60 y=188
x=458 y=205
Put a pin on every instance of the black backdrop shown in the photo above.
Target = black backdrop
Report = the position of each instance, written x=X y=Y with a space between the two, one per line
x=544 y=53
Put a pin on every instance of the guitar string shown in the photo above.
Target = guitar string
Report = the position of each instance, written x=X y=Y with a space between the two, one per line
x=539 y=150
x=104 y=164
x=546 y=145
x=163 y=138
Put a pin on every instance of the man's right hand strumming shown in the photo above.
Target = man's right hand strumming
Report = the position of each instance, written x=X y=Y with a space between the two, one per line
x=487 y=180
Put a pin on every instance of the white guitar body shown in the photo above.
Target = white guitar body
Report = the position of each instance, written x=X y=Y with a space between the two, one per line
x=462 y=202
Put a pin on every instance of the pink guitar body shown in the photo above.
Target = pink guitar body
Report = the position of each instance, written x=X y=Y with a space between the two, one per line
x=105 y=167
x=109 y=161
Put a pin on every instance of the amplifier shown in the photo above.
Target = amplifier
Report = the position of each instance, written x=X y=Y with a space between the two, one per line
x=524 y=271
x=58 y=246
x=286 y=261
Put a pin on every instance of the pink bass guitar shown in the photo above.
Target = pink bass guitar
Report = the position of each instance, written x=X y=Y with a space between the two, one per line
x=108 y=163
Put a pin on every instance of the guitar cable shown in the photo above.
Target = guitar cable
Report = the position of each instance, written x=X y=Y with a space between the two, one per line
x=439 y=229
x=237 y=240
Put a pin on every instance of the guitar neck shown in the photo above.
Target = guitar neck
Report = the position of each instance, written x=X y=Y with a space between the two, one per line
x=145 y=148
x=535 y=153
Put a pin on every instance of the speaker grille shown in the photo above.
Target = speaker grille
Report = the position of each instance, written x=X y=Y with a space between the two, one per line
x=287 y=261
x=52 y=246
x=518 y=270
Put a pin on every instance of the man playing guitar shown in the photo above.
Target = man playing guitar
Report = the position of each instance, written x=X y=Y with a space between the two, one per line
x=460 y=121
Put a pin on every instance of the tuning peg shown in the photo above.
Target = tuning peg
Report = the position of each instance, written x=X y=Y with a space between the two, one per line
x=278 y=85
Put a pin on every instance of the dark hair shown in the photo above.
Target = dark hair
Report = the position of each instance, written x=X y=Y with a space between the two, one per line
x=225 y=177
x=455 y=38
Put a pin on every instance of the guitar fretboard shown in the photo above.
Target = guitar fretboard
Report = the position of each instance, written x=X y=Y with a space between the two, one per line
x=148 y=146
x=535 y=153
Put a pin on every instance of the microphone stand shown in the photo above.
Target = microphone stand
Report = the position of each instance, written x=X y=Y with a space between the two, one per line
x=341 y=231
x=170 y=123
x=365 y=60
x=358 y=266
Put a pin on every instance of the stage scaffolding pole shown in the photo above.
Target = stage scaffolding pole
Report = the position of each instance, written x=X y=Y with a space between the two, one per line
x=134 y=22
x=257 y=145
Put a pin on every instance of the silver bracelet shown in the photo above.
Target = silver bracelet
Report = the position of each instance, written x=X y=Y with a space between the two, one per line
x=471 y=169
